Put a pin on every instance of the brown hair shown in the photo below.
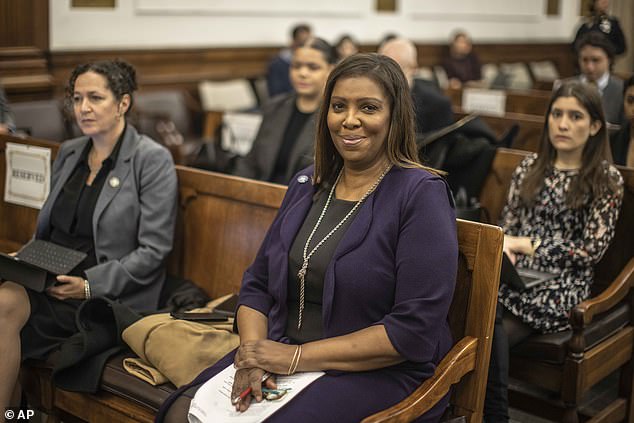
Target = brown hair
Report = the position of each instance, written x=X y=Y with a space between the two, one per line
x=592 y=180
x=400 y=146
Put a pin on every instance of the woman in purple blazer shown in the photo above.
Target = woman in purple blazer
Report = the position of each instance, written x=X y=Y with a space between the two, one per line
x=357 y=272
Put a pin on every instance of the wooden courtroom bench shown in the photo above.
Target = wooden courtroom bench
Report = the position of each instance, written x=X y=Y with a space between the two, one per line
x=552 y=373
x=529 y=102
x=17 y=223
x=530 y=128
x=221 y=222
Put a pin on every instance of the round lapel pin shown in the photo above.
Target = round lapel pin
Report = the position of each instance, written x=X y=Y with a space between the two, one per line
x=114 y=182
x=302 y=179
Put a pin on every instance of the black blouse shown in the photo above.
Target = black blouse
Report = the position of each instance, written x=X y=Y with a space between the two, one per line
x=72 y=212
x=294 y=127
x=314 y=284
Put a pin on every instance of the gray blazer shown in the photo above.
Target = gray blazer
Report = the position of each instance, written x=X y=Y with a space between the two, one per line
x=612 y=99
x=260 y=162
x=133 y=222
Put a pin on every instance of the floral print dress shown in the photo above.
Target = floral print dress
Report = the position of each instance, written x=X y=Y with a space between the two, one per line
x=572 y=242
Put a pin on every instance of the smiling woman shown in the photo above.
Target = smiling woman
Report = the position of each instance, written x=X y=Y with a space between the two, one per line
x=357 y=271
x=358 y=121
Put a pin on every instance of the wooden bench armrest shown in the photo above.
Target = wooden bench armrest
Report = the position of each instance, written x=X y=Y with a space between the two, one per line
x=459 y=361
x=584 y=312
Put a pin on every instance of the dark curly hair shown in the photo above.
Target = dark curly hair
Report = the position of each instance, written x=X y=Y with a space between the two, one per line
x=121 y=77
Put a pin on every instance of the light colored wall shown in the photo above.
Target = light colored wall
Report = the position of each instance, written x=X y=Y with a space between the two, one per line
x=220 y=23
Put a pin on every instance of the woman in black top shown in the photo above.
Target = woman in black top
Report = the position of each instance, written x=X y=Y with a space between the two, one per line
x=461 y=63
x=113 y=197
x=284 y=143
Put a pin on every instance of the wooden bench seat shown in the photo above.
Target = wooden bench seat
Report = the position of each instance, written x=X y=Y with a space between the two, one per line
x=221 y=222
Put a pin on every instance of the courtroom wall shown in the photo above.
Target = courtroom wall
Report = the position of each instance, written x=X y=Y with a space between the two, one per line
x=134 y=24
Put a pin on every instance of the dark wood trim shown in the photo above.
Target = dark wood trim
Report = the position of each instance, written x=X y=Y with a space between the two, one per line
x=40 y=25
x=184 y=68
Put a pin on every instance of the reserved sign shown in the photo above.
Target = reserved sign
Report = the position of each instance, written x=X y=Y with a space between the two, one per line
x=483 y=101
x=28 y=177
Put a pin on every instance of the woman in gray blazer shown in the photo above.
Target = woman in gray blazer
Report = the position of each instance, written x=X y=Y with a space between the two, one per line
x=113 y=197
x=285 y=141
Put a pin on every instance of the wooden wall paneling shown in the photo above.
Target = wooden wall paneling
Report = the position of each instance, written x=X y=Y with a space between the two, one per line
x=559 y=53
x=24 y=43
x=173 y=68
x=184 y=68
x=24 y=23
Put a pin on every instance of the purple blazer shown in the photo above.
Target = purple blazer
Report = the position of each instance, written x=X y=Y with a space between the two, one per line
x=395 y=265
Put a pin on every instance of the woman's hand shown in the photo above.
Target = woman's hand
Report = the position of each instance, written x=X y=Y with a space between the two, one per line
x=245 y=378
x=514 y=245
x=274 y=357
x=68 y=287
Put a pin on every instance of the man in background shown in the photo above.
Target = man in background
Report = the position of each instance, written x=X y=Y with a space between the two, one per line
x=595 y=54
x=277 y=79
x=432 y=107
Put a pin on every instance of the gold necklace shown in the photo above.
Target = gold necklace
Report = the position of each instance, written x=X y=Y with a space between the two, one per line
x=306 y=255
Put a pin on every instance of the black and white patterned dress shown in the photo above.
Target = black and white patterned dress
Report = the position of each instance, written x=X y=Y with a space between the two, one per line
x=572 y=242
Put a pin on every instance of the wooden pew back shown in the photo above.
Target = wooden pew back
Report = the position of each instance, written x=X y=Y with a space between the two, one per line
x=221 y=223
x=17 y=223
x=498 y=181
x=472 y=310
x=530 y=128
x=529 y=102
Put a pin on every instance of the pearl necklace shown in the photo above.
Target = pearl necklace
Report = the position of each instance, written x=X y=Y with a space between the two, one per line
x=306 y=255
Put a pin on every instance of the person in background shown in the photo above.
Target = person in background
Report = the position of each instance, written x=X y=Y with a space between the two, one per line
x=595 y=55
x=622 y=142
x=600 y=21
x=432 y=109
x=560 y=217
x=284 y=143
x=349 y=235
x=346 y=46
x=277 y=76
x=387 y=37
x=461 y=63
x=113 y=196
x=7 y=123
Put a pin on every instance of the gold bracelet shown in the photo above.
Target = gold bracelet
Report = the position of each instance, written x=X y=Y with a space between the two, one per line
x=290 y=368
x=86 y=289
x=299 y=356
